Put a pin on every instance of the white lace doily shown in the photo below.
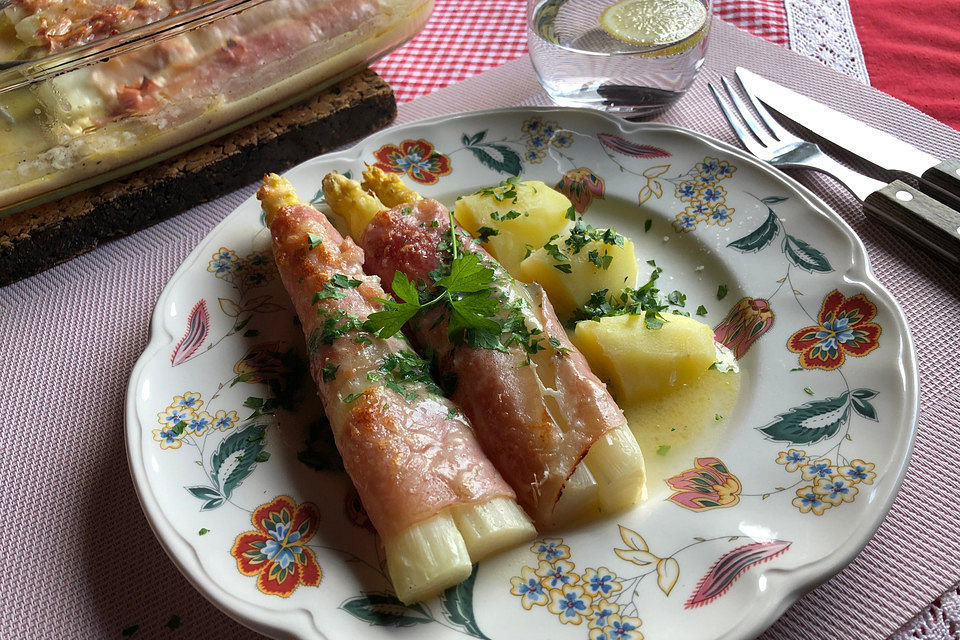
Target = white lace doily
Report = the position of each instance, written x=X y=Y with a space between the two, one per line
x=823 y=30
x=940 y=621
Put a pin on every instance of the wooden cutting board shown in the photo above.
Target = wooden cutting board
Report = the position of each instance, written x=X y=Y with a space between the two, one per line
x=38 y=238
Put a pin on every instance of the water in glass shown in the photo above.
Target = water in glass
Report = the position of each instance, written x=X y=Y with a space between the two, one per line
x=581 y=64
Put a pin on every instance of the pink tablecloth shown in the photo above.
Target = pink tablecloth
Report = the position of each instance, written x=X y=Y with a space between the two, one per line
x=81 y=562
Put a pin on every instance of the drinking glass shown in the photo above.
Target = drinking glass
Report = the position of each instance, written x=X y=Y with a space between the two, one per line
x=580 y=64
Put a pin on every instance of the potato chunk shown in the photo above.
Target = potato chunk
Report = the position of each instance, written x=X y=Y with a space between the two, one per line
x=570 y=281
x=642 y=363
x=520 y=213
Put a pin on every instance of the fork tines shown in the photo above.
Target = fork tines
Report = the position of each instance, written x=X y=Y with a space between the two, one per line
x=760 y=133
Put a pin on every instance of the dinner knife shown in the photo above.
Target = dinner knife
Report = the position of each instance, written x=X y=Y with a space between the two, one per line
x=938 y=178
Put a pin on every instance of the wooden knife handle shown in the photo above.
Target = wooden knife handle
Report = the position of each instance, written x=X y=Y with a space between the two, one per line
x=917 y=216
x=943 y=182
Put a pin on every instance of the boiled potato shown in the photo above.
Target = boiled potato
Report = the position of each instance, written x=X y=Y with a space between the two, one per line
x=570 y=291
x=542 y=214
x=642 y=363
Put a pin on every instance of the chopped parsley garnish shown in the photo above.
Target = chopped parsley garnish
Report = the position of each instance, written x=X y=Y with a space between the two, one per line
x=556 y=344
x=581 y=235
x=350 y=398
x=451 y=413
x=600 y=262
x=485 y=233
x=204 y=531
x=434 y=223
x=463 y=290
x=509 y=215
x=663 y=449
x=643 y=301
x=329 y=372
x=314 y=241
x=469 y=296
x=701 y=310
x=721 y=292
x=808 y=391
x=676 y=298
x=717 y=417
x=647 y=224
x=336 y=287
x=506 y=189
x=571 y=213
x=529 y=248
x=398 y=371
x=336 y=324
x=263 y=456
x=554 y=250
x=566 y=268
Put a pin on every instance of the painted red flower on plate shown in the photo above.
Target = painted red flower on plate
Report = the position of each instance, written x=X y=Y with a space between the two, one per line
x=845 y=329
x=749 y=319
x=707 y=486
x=276 y=552
x=581 y=186
x=416 y=158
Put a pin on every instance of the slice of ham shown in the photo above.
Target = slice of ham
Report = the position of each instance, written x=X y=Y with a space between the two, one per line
x=408 y=457
x=536 y=422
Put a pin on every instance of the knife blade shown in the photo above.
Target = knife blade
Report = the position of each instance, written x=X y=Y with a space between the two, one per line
x=938 y=178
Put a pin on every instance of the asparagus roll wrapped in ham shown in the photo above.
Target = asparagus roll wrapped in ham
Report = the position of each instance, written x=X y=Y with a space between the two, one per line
x=433 y=496
x=547 y=422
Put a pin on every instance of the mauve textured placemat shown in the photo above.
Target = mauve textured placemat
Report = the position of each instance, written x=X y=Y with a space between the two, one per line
x=81 y=561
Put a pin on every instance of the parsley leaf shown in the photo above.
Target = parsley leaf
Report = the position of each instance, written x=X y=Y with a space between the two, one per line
x=485 y=233
x=566 y=268
x=721 y=292
x=314 y=240
x=509 y=215
x=394 y=315
x=336 y=287
x=571 y=213
x=701 y=310
x=645 y=301
x=600 y=262
x=467 y=275
x=329 y=372
x=676 y=298
x=463 y=288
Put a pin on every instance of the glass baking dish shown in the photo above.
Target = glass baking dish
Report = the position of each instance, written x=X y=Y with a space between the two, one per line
x=93 y=89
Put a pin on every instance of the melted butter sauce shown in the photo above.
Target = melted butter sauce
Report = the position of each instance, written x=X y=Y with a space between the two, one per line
x=675 y=428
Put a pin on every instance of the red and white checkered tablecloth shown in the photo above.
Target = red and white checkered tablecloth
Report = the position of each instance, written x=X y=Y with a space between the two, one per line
x=466 y=37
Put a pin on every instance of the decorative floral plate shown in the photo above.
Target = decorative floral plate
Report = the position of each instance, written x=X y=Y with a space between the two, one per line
x=241 y=482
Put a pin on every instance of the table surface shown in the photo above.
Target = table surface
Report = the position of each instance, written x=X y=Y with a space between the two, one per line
x=82 y=561
x=906 y=49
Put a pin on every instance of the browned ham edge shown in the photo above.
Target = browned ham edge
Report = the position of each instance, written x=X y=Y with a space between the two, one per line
x=535 y=421
x=409 y=459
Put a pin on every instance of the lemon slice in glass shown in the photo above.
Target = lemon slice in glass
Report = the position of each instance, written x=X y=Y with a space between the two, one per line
x=653 y=22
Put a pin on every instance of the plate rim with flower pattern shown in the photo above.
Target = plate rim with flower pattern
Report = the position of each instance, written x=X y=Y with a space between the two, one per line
x=828 y=315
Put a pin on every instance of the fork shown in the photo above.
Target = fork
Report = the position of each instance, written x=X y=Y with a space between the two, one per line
x=782 y=148
x=908 y=212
